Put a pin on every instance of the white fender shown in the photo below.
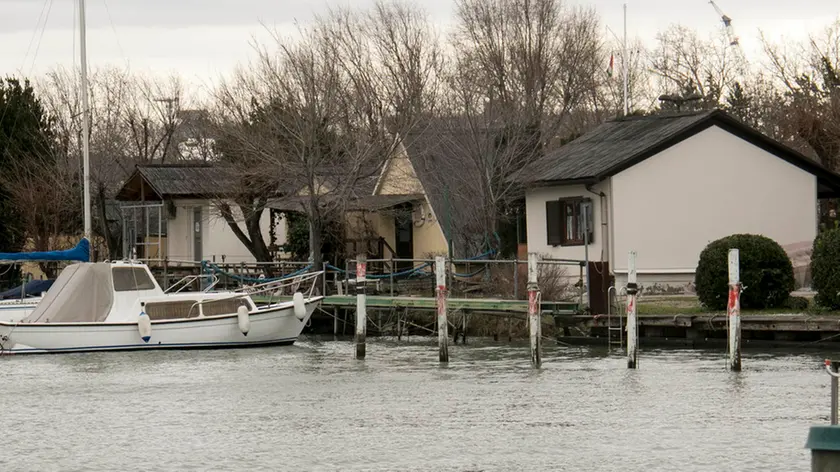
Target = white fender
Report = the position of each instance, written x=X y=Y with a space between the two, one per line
x=300 y=306
x=144 y=325
x=244 y=319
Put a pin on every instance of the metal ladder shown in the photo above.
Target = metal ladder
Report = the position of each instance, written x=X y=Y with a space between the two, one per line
x=610 y=328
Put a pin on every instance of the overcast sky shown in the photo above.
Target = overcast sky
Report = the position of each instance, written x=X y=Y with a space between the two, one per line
x=201 y=39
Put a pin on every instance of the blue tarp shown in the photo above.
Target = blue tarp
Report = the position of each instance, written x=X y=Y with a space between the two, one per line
x=33 y=288
x=79 y=253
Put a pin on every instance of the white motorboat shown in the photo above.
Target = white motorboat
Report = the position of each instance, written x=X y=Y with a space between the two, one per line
x=16 y=310
x=111 y=306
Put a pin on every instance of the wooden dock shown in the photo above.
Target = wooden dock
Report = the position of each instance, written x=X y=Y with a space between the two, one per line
x=474 y=305
x=698 y=330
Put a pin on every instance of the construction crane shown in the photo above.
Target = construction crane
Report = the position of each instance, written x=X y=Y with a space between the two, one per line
x=727 y=24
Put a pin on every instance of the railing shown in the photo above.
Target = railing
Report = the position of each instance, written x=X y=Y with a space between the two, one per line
x=187 y=282
x=559 y=279
x=275 y=287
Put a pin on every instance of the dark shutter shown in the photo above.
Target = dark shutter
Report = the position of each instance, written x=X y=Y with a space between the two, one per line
x=554 y=222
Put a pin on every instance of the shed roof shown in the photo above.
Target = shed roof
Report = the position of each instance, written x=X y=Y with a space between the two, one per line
x=622 y=143
x=440 y=156
x=382 y=202
x=165 y=181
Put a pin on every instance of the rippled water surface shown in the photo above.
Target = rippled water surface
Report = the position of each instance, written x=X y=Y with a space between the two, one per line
x=313 y=407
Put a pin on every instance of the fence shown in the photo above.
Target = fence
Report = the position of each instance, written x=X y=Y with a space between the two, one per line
x=559 y=279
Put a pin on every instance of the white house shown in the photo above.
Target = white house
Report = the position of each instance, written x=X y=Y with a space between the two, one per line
x=193 y=229
x=666 y=186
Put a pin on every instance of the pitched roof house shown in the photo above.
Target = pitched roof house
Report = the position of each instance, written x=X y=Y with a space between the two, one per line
x=665 y=186
x=182 y=196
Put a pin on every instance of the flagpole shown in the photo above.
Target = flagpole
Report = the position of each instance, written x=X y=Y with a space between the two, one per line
x=624 y=64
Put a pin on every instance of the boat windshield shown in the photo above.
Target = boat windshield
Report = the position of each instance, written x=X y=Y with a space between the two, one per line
x=81 y=293
x=127 y=279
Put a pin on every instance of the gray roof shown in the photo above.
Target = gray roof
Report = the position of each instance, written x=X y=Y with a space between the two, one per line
x=440 y=158
x=382 y=202
x=608 y=146
x=619 y=144
x=168 y=181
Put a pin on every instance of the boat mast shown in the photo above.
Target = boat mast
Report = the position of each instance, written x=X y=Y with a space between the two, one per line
x=85 y=118
x=625 y=65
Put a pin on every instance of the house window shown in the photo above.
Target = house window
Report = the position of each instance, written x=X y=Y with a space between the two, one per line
x=566 y=220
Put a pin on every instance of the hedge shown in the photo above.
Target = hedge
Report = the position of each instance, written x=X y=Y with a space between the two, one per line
x=766 y=272
x=825 y=268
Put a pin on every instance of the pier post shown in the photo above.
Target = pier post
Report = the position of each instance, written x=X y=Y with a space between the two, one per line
x=361 y=305
x=734 y=311
x=632 y=290
x=832 y=369
x=533 y=312
x=440 y=296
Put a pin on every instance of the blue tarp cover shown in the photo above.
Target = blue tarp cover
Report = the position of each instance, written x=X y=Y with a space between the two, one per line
x=79 y=253
x=33 y=288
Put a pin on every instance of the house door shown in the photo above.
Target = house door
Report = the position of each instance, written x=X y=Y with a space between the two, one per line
x=404 y=236
x=197 y=242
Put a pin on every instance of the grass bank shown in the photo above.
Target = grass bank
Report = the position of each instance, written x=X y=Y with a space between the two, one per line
x=688 y=305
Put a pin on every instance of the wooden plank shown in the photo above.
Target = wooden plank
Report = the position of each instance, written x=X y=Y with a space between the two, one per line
x=428 y=303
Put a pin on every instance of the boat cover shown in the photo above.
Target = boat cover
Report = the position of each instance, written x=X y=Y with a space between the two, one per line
x=79 y=253
x=31 y=289
x=81 y=293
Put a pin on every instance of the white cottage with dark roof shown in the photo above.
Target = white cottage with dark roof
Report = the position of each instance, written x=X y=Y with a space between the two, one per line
x=666 y=186
x=188 y=196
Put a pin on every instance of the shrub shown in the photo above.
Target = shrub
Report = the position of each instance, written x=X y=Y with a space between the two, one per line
x=766 y=272
x=798 y=304
x=825 y=270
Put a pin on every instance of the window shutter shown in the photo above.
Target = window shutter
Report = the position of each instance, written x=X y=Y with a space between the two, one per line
x=554 y=222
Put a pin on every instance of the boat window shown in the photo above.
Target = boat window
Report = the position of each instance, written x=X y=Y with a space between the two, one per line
x=132 y=278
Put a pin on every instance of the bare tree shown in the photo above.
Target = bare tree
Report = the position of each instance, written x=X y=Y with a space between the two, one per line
x=128 y=127
x=808 y=74
x=693 y=70
x=520 y=69
x=322 y=114
x=42 y=190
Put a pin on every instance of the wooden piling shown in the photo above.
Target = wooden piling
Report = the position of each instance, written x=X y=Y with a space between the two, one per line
x=335 y=322
x=632 y=290
x=734 y=311
x=533 y=312
x=833 y=369
x=440 y=295
x=361 y=305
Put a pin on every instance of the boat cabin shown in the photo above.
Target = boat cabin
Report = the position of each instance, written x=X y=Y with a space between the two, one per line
x=118 y=292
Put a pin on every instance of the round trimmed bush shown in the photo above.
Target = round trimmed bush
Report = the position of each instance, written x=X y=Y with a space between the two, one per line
x=825 y=270
x=765 y=269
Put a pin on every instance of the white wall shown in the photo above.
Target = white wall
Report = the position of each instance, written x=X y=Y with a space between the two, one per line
x=535 y=199
x=670 y=206
x=179 y=234
x=217 y=237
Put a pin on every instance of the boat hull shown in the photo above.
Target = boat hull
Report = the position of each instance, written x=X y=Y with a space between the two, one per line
x=272 y=325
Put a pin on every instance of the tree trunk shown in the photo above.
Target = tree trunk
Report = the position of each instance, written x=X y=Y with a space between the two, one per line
x=316 y=238
x=253 y=241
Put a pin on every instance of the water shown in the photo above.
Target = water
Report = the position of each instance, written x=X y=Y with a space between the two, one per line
x=312 y=407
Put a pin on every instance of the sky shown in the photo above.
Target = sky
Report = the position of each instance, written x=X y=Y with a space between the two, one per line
x=203 y=39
